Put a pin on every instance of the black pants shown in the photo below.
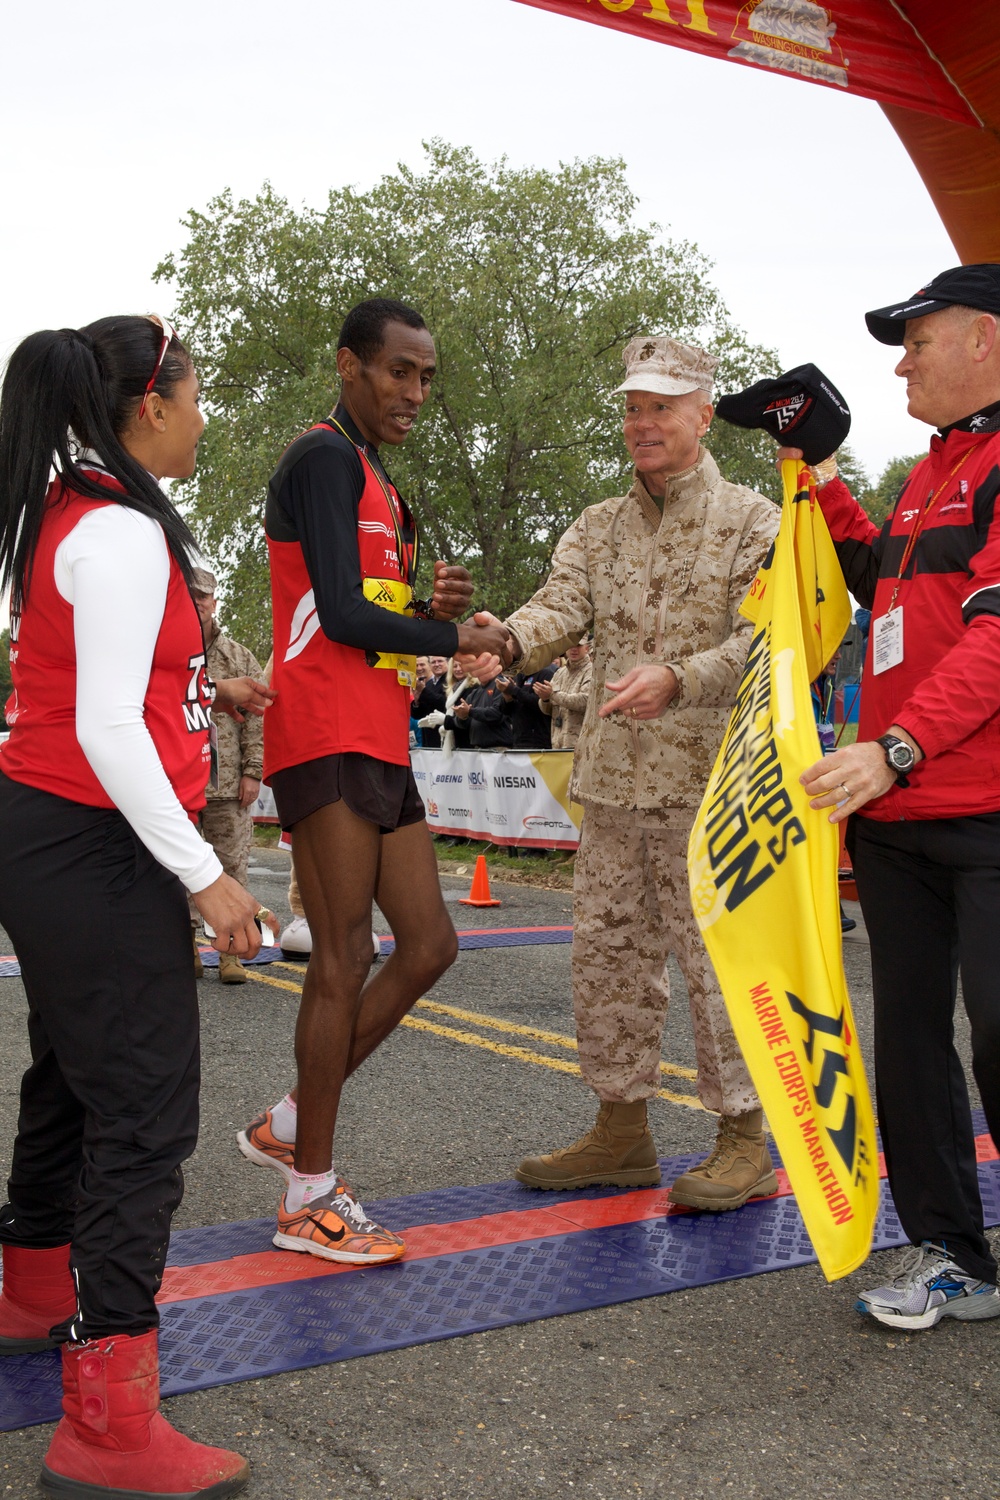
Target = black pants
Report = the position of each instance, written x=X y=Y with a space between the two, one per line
x=109 y=1105
x=930 y=893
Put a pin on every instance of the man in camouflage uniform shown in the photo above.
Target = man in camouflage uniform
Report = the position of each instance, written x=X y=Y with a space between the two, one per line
x=567 y=695
x=227 y=820
x=658 y=574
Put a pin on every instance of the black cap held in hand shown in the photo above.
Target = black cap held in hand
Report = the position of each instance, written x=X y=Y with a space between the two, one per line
x=963 y=286
x=801 y=408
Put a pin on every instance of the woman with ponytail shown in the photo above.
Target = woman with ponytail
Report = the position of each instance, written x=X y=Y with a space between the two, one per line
x=106 y=764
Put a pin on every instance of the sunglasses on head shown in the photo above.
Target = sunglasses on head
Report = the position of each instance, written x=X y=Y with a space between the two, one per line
x=167 y=329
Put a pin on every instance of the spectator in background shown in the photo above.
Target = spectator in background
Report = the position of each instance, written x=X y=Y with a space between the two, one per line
x=565 y=698
x=226 y=821
x=421 y=672
x=530 y=728
x=456 y=730
x=429 y=697
x=487 y=714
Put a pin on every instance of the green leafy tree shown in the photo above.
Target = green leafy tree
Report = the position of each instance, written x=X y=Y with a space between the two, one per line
x=853 y=473
x=882 y=496
x=531 y=282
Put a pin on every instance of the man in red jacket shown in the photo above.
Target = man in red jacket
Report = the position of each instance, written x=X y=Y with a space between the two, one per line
x=922 y=788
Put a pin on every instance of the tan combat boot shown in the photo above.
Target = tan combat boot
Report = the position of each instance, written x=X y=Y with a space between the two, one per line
x=199 y=967
x=618 y=1152
x=739 y=1168
x=231 y=971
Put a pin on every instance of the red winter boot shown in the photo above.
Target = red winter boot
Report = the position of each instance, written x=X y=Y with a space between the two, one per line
x=113 y=1439
x=38 y=1293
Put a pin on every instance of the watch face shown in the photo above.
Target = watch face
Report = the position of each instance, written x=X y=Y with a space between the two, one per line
x=901 y=756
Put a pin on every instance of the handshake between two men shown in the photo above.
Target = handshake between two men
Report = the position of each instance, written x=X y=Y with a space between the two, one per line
x=645 y=692
x=486 y=647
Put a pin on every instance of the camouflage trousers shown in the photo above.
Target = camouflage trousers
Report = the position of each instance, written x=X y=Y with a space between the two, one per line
x=294 y=898
x=631 y=908
x=228 y=827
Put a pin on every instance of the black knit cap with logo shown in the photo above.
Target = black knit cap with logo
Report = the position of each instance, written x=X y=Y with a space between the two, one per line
x=801 y=408
x=975 y=286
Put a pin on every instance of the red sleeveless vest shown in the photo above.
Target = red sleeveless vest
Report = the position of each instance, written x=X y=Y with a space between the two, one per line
x=43 y=750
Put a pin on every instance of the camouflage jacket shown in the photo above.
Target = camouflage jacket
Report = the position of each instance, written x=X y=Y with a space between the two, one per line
x=568 y=703
x=241 y=746
x=654 y=588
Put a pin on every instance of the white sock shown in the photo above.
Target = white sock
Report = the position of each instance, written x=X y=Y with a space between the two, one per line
x=283 y=1117
x=305 y=1187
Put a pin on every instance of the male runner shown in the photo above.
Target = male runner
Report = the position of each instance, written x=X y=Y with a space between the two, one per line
x=343 y=551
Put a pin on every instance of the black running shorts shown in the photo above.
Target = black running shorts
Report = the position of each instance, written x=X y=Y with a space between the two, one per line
x=375 y=790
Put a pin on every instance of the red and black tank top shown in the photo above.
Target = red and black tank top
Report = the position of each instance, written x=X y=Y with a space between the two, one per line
x=43 y=750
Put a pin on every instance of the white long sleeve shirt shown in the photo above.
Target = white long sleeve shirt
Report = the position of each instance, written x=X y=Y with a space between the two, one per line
x=113 y=568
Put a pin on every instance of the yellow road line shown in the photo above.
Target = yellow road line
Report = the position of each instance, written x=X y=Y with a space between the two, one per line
x=278 y=984
x=534 y=1033
x=554 y=1038
x=522 y=1054
x=559 y=1064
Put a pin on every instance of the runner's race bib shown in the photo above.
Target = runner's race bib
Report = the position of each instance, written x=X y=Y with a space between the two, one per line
x=394 y=595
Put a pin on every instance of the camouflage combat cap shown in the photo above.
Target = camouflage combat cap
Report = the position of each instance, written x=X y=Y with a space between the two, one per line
x=666 y=366
x=202 y=581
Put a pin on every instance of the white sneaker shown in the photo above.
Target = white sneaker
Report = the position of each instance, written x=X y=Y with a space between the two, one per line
x=927 y=1287
x=297 y=939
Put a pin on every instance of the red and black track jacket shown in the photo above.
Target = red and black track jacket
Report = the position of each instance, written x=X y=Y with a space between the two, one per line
x=946 y=690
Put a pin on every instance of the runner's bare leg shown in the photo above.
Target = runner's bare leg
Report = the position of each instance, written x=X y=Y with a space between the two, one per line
x=408 y=892
x=343 y=863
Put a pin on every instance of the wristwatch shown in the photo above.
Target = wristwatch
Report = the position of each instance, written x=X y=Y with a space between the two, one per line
x=899 y=756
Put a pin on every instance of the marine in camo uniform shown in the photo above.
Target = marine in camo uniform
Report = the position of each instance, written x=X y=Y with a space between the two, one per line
x=566 y=697
x=227 y=819
x=657 y=574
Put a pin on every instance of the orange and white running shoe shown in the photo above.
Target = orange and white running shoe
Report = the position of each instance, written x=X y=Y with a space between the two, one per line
x=260 y=1144
x=336 y=1227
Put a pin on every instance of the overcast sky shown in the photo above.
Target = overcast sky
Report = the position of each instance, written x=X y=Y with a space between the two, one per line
x=117 y=118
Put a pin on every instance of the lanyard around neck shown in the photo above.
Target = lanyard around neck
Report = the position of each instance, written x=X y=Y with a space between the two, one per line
x=407 y=571
x=918 y=527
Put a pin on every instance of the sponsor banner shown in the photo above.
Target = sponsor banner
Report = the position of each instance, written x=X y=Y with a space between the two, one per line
x=763 y=871
x=865 y=47
x=503 y=797
x=507 y=797
x=264 y=810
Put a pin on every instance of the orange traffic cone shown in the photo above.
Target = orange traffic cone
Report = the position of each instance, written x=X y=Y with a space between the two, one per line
x=480 y=892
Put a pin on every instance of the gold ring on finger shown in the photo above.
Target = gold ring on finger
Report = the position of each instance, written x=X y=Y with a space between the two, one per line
x=845 y=789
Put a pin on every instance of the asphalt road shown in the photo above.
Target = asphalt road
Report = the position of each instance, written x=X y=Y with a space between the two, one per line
x=762 y=1388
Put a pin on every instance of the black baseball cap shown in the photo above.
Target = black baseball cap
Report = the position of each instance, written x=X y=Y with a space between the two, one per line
x=967 y=286
x=801 y=408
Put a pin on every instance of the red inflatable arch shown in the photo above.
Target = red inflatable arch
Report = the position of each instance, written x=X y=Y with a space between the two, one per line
x=933 y=67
